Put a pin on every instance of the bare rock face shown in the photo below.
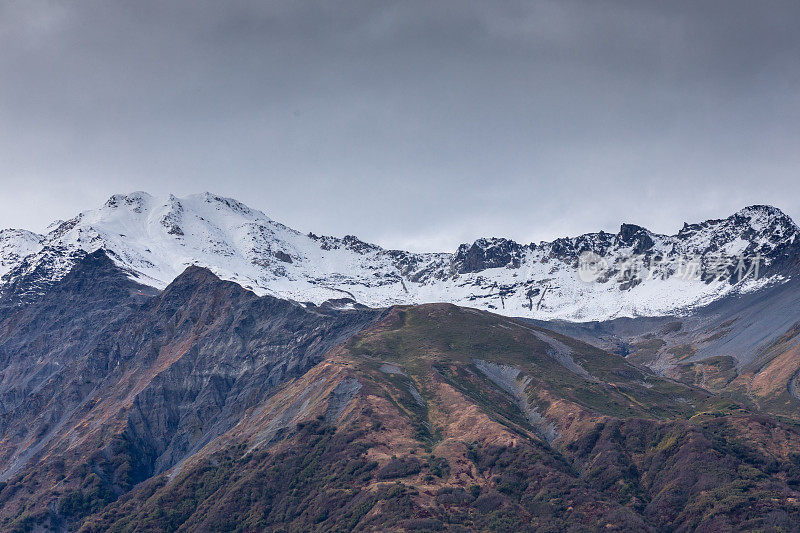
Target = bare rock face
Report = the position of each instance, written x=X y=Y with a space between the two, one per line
x=636 y=237
x=488 y=253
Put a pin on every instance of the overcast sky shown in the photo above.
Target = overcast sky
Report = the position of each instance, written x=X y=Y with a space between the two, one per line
x=415 y=125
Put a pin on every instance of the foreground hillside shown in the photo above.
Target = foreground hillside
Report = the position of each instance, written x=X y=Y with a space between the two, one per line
x=443 y=418
x=206 y=408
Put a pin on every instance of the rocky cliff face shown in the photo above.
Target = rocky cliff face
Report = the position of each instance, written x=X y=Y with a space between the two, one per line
x=643 y=274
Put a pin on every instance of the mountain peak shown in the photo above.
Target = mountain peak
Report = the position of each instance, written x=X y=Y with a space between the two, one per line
x=626 y=229
x=137 y=198
x=195 y=275
x=761 y=209
x=765 y=217
x=486 y=253
x=635 y=236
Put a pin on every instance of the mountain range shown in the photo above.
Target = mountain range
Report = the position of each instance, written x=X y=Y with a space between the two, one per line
x=190 y=365
x=155 y=239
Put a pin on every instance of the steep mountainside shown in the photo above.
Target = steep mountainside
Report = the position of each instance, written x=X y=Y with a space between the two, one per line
x=207 y=408
x=155 y=239
x=101 y=365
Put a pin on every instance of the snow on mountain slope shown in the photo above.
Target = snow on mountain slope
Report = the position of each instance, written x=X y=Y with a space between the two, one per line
x=155 y=239
x=15 y=245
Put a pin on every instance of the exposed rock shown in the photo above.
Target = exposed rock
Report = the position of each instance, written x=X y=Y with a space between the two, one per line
x=510 y=380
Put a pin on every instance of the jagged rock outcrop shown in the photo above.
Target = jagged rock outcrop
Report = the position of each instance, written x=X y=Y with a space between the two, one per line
x=484 y=254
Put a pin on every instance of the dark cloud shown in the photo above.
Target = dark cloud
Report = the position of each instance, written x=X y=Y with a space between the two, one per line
x=416 y=124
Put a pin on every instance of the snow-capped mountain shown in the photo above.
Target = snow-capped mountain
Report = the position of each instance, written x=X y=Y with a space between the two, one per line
x=155 y=239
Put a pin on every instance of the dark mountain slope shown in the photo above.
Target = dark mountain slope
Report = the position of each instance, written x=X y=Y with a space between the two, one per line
x=46 y=370
x=105 y=384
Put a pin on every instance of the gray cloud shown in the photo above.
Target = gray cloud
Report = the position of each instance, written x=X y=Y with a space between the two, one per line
x=413 y=124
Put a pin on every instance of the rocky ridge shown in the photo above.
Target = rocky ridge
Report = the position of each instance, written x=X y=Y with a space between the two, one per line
x=643 y=273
